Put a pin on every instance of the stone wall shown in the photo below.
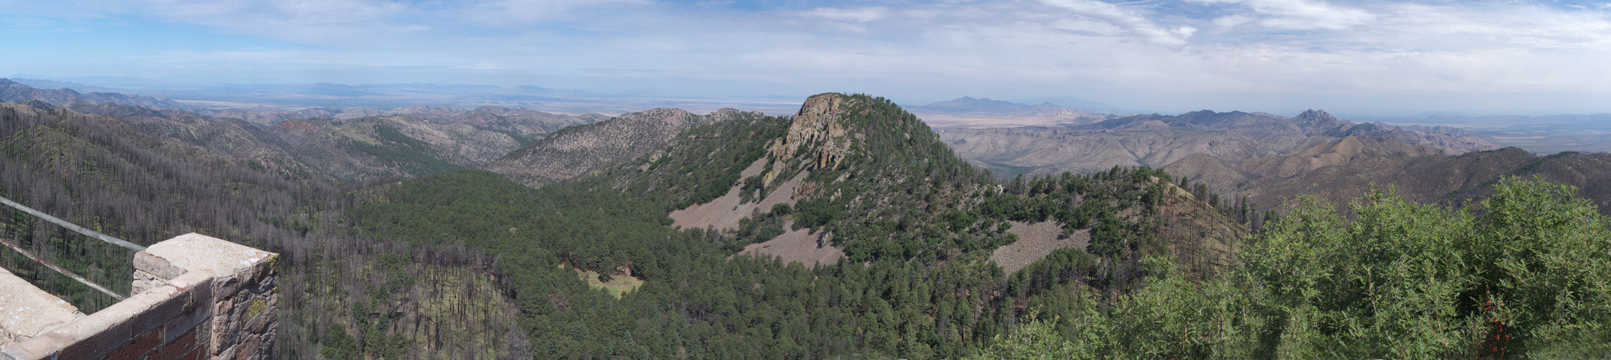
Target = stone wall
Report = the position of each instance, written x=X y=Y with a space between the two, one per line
x=196 y=297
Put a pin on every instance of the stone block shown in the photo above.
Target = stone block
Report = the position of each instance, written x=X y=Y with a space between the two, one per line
x=226 y=287
x=145 y=281
x=156 y=265
x=190 y=281
x=225 y=353
x=264 y=285
x=249 y=348
x=261 y=321
x=196 y=252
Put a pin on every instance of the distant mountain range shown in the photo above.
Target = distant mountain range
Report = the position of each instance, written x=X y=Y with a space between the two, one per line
x=1269 y=159
x=1545 y=134
x=385 y=97
x=346 y=145
x=1341 y=169
x=11 y=91
x=1159 y=140
x=971 y=112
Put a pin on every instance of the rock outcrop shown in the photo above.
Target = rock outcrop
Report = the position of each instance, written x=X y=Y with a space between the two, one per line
x=817 y=122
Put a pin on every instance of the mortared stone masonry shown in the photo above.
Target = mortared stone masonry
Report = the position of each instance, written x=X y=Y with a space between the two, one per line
x=195 y=297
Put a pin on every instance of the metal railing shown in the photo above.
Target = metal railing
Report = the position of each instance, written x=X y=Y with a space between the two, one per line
x=75 y=228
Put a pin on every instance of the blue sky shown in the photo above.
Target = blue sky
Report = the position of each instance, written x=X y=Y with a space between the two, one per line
x=1282 y=56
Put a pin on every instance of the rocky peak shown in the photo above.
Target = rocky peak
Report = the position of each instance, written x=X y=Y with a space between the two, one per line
x=675 y=119
x=818 y=120
x=1315 y=117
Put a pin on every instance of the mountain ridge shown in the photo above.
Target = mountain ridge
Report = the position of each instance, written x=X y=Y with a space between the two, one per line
x=976 y=112
x=1159 y=140
x=1342 y=169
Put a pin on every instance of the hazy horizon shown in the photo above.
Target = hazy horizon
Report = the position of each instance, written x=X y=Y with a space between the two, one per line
x=1279 y=56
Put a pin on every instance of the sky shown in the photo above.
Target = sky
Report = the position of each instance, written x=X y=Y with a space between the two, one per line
x=1280 y=56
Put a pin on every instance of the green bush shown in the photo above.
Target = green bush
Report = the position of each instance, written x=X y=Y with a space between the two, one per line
x=1528 y=277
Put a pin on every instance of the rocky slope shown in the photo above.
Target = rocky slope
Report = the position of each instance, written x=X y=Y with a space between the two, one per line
x=1158 y=140
x=857 y=177
x=1342 y=169
x=579 y=150
x=396 y=146
x=349 y=145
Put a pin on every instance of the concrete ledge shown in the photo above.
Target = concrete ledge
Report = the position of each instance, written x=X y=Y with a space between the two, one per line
x=26 y=311
x=188 y=287
x=196 y=252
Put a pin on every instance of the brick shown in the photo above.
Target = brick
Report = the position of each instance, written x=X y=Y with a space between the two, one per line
x=162 y=312
x=137 y=348
x=178 y=348
x=197 y=354
x=186 y=323
x=99 y=340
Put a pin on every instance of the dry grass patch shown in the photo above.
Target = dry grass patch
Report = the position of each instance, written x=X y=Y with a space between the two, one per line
x=619 y=284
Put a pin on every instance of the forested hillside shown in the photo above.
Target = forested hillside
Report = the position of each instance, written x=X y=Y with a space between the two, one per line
x=917 y=225
x=677 y=244
x=115 y=178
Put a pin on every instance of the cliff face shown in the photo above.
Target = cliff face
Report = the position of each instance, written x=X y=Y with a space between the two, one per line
x=817 y=120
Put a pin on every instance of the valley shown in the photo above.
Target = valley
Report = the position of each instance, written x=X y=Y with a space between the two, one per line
x=851 y=229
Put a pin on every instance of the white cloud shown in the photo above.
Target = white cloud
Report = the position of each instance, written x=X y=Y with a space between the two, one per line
x=860 y=15
x=1123 y=18
x=1303 y=50
x=1297 y=14
x=517 y=12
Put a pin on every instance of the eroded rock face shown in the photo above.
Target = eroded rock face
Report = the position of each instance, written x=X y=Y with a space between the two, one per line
x=818 y=120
